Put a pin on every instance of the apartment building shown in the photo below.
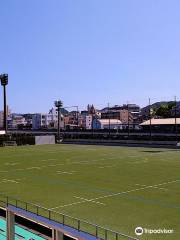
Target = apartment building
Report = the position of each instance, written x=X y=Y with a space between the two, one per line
x=47 y=120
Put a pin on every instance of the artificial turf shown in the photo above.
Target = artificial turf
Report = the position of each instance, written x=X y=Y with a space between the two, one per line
x=119 y=188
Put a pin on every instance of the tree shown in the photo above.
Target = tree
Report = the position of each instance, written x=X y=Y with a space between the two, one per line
x=164 y=110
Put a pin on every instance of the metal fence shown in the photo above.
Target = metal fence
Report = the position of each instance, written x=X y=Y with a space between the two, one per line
x=75 y=223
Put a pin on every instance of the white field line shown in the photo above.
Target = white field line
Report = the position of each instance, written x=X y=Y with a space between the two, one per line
x=71 y=163
x=46 y=160
x=16 y=155
x=83 y=162
x=8 y=180
x=53 y=165
x=107 y=166
x=37 y=168
x=90 y=200
x=87 y=162
x=137 y=189
x=30 y=168
x=24 y=169
x=61 y=172
x=53 y=152
x=139 y=161
x=67 y=205
x=11 y=164
x=152 y=187
x=116 y=194
x=75 y=203
x=33 y=167
x=12 y=181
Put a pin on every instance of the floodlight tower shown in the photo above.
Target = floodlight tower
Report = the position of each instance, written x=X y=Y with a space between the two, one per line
x=58 y=104
x=4 y=83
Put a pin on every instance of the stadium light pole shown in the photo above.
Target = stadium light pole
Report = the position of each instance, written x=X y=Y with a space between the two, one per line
x=4 y=83
x=58 y=104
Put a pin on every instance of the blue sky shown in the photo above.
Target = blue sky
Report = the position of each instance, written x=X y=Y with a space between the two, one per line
x=89 y=51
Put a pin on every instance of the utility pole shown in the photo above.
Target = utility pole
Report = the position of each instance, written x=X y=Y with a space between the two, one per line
x=4 y=83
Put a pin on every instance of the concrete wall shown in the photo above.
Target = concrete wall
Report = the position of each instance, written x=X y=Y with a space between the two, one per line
x=136 y=143
x=41 y=140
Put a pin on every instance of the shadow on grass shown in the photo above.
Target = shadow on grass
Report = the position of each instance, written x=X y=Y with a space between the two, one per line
x=164 y=151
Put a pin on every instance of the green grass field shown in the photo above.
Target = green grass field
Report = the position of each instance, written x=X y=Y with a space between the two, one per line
x=119 y=188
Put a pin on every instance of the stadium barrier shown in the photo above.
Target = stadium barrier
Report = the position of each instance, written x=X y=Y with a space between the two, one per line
x=20 y=139
x=41 y=140
x=94 y=230
x=9 y=143
x=28 y=137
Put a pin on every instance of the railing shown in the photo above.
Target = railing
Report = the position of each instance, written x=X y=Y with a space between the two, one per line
x=75 y=223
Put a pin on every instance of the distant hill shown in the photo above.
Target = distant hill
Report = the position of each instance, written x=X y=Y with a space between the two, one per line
x=145 y=110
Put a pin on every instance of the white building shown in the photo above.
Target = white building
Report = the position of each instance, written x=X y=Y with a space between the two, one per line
x=47 y=120
x=38 y=121
x=15 y=121
x=88 y=121
x=107 y=124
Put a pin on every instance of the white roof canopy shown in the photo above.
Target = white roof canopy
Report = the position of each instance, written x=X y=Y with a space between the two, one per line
x=162 y=121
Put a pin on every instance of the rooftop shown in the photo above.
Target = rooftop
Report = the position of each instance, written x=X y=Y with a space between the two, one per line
x=161 y=121
x=112 y=121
